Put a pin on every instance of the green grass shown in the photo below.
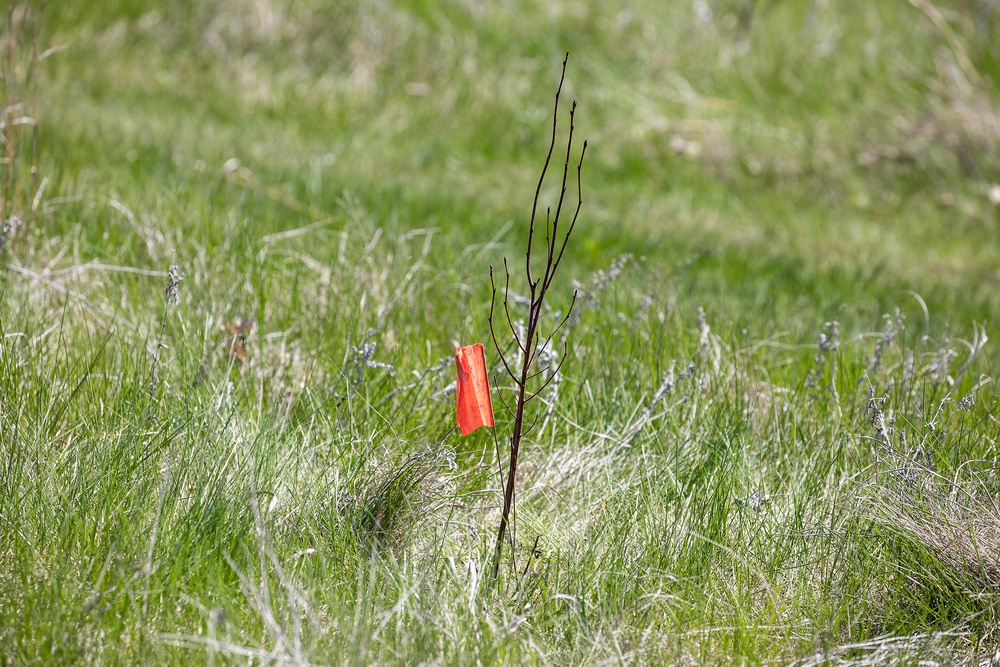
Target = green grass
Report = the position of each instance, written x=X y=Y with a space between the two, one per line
x=345 y=176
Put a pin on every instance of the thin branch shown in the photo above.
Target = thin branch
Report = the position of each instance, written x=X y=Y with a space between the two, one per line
x=503 y=400
x=538 y=373
x=531 y=426
x=565 y=319
x=562 y=194
x=549 y=379
x=506 y=307
x=496 y=446
x=545 y=167
x=579 y=205
x=493 y=332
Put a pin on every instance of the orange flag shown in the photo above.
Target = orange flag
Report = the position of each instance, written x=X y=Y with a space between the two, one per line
x=475 y=408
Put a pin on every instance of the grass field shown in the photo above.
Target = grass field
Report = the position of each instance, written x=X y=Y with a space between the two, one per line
x=242 y=240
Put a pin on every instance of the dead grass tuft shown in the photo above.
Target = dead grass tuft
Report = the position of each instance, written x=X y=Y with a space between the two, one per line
x=956 y=520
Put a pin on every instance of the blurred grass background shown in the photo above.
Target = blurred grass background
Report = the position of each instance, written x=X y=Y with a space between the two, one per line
x=849 y=148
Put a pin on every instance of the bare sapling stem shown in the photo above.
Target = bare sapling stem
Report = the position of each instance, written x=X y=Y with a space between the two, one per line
x=531 y=343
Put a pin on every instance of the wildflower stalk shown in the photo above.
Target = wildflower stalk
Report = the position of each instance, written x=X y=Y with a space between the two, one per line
x=174 y=278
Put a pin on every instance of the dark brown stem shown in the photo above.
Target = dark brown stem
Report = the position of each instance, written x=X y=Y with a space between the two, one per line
x=538 y=289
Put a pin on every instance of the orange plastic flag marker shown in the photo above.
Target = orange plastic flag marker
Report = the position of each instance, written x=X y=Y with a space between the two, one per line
x=475 y=408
